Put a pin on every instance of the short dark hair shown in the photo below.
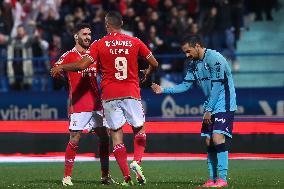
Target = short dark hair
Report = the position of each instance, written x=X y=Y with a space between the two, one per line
x=192 y=40
x=80 y=26
x=21 y=26
x=114 y=18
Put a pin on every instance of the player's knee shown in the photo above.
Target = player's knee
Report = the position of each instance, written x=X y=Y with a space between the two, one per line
x=117 y=136
x=74 y=140
x=117 y=131
x=218 y=138
x=75 y=137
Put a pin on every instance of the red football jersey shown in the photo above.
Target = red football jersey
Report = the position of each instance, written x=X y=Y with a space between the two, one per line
x=117 y=55
x=84 y=94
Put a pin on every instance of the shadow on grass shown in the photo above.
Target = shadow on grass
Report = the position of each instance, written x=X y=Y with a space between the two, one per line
x=96 y=183
x=45 y=181
x=178 y=183
x=58 y=182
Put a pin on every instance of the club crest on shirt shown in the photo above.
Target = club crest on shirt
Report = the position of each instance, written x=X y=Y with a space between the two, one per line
x=59 y=61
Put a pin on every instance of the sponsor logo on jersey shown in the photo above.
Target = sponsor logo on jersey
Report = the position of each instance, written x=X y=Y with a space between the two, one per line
x=89 y=72
x=220 y=120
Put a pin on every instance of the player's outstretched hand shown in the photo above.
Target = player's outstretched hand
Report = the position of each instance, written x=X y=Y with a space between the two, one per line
x=56 y=71
x=156 y=88
x=146 y=75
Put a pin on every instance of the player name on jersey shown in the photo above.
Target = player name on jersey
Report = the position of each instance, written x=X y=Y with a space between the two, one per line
x=121 y=44
x=118 y=51
x=114 y=43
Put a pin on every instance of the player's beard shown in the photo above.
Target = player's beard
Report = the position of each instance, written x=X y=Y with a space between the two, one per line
x=84 y=43
x=192 y=57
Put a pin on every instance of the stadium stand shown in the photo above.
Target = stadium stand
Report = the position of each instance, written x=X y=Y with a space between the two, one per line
x=160 y=24
x=264 y=63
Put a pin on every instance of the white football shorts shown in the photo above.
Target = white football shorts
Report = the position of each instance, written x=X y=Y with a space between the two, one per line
x=117 y=112
x=86 y=121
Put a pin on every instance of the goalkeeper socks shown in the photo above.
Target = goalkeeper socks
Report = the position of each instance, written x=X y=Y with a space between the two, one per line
x=70 y=154
x=222 y=156
x=104 y=155
x=120 y=155
x=139 y=146
x=212 y=162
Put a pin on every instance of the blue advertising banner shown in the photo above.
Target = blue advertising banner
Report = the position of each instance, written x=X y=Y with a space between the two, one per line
x=254 y=101
x=53 y=105
x=33 y=106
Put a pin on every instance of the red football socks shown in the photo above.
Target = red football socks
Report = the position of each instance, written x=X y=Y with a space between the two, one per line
x=120 y=155
x=139 y=146
x=70 y=154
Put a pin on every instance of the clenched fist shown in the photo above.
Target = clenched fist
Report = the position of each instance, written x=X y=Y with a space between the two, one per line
x=156 y=88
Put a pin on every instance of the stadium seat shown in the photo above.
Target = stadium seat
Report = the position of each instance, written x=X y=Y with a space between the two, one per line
x=4 y=86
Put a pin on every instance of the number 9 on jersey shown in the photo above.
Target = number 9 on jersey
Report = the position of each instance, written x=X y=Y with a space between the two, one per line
x=121 y=67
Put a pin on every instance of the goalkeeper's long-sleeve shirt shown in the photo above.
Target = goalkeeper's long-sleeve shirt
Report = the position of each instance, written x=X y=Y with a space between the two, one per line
x=214 y=76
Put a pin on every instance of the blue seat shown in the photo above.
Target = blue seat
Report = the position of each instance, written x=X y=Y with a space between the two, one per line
x=36 y=84
x=4 y=86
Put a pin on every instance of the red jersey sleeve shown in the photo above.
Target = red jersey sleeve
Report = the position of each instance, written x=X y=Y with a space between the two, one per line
x=143 y=50
x=62 y=60
x=92 y=52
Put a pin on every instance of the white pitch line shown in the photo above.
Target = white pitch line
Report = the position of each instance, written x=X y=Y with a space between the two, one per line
x=23 y=159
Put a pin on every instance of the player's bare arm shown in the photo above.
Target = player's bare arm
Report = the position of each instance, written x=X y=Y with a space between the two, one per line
x=153 y=65
x=82 y=64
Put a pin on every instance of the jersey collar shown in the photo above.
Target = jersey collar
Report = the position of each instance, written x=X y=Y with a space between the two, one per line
x=114 y=33
x=79 y=53
x=204 y=55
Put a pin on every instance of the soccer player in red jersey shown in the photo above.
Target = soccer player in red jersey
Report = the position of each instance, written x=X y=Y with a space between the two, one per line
x=117 y=55
x=85 y=107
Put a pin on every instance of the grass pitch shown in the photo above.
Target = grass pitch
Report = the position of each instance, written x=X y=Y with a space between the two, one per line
x=243 y=174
